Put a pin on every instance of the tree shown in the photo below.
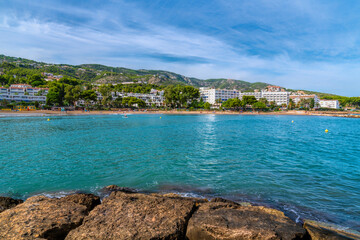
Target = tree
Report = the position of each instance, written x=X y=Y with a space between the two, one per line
x=88 y=96
x=131 y=101
x=232 y=103
x=263 y=100
x=259 y=106
x=273 y=105
x=105 y=91
x=291 y=104
x=249 y=100
x=36 y=80
x=312 y=103
x=207 y=106
x=219 y=100
x=72 y=94
x=56 y=95
x=180 y=96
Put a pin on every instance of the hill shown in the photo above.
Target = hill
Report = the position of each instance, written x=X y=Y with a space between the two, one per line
x=100 y=74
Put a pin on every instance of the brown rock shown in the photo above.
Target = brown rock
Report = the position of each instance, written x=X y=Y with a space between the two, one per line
x=221 y=220
x=136 y=216
x=6 y=203
x=326 y=231
x=231 y=203
x=88 y=200
x=41 y=217
x=114 y=188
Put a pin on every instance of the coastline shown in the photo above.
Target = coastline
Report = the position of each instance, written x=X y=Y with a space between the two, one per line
x=131 y=214
x=182 y=112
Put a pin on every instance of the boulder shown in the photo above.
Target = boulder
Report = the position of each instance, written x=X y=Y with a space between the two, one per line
x=114 y=188
x=6 y=203
x=218 y=199
x=40 y=217
x=226 y=220
x=88 y=200
x=325 y=231
x=136 y=216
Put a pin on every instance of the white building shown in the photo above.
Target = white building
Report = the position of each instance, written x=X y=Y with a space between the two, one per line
x=155 y=97
x=271 y=94
x=279 y=98
x=298 y=97
x=329 y=103
x=23 y=92
x=210 y=95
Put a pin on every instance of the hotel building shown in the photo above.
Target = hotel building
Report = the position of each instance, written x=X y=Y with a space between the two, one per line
x=324 y=103
x=23 y=92
x=210 y=95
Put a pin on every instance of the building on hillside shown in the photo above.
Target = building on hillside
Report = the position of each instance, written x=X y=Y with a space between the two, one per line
x=212 y=95
x=297 y=98
x=257 y=94
x=155 y=97
x=324 y=103
x=279 y=98
x=23 y=92
x=271 y=94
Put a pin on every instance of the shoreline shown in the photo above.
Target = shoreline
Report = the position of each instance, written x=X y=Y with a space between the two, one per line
x=176 y=112
x=204 y=218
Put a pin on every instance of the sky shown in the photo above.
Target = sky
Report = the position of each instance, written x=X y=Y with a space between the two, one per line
x=297 y=44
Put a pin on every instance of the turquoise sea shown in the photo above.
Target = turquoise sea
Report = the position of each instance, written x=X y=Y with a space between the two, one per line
x=295 y=167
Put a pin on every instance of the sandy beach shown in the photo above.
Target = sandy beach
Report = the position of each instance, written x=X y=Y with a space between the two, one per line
x=180 y=112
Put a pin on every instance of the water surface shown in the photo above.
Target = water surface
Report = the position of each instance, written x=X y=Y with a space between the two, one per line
x=295 y=167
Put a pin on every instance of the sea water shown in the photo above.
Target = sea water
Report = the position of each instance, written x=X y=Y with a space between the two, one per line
x=286 y=162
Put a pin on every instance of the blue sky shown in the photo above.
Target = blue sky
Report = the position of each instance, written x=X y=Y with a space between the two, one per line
x=298 y=44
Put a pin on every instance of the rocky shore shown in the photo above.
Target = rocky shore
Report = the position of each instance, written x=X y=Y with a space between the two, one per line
x=125 y=214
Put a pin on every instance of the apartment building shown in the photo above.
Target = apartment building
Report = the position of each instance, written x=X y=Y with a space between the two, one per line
x=296 y=98
x=212 y=95
x=324 y=103
x=23 y=92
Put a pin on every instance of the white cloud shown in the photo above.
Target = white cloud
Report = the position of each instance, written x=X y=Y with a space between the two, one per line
x=126 y=46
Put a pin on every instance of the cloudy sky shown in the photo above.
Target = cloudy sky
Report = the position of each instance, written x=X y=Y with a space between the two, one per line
x=300 y=44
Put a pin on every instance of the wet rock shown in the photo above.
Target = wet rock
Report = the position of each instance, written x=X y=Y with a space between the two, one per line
x=136 y=216
x=88 y=200
x=6 y=203
x=230 y=202
x=224 y=220
x=114 y=188
x=40 y=217
x=325 y=231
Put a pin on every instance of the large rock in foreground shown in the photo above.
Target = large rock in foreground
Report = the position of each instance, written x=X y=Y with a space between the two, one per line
x=136 y=216
x=40 y=217
x=224 y=220
x=88 y=200
x=7 y=203
x=325 y=231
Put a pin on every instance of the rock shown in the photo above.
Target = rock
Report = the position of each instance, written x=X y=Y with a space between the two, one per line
x=41 y=217
x=6 y=203
x=114 y=188
x=325 y=231
x=88 y=200
x=223 y=220
x=230 y=202
x=136 y=216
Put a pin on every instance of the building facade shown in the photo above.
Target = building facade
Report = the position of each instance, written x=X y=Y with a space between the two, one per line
x=324 y=103
x=154 y=98
x=212 y=95
x=297 y=98
x=23 y=92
